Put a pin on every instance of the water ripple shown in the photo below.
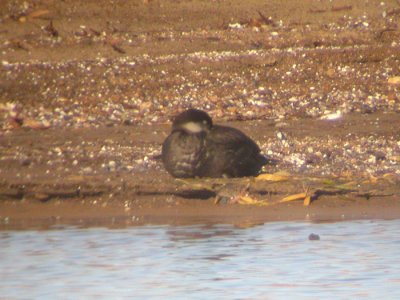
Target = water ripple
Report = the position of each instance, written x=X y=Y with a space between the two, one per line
x=273 y=261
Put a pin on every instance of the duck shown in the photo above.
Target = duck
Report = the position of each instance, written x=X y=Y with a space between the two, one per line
x=198 y=148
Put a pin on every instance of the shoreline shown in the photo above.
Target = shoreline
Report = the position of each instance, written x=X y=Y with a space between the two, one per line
x=72 y=177
x=87 y=92
x=33 y=215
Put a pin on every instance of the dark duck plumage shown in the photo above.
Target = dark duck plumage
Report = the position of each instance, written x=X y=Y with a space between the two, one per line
x=197 y=148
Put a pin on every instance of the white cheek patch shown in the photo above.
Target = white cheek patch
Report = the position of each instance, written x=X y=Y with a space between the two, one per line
x=193 y=127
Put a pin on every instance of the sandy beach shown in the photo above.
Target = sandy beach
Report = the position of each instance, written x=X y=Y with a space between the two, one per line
x=88 y=90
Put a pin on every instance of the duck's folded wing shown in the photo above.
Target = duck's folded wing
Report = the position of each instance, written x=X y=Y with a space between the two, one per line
x=233 y=138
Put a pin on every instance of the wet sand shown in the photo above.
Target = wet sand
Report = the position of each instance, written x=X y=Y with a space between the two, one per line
x=87 y=92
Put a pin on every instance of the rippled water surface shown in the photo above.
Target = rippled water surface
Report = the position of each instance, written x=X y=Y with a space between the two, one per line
x=272 y=261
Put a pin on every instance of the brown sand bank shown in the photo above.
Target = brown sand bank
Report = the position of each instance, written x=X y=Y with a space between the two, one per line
x=87 y=89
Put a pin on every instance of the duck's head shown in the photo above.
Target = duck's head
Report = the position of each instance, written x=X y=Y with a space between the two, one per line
x=192 y=121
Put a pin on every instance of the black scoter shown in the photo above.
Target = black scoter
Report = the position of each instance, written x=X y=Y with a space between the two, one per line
x=197 y=148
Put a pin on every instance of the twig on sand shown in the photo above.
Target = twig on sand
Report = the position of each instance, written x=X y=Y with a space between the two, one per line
x=342 y=7
x=118 y=49
x=51 y=29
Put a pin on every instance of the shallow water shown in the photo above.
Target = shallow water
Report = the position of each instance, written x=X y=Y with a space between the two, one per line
x=358 y=259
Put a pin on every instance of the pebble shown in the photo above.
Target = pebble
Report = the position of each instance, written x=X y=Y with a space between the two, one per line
x=87 y=170
x=332 y=116
x=314 y=237
x=235 y=26
x=26 y=162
